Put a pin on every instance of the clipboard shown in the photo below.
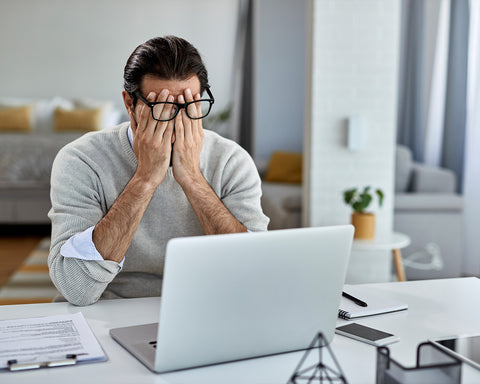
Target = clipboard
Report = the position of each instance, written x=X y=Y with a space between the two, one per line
x=48 y=342
x=14 y=365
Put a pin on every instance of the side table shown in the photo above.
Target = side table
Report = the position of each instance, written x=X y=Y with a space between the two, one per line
x=394 y=242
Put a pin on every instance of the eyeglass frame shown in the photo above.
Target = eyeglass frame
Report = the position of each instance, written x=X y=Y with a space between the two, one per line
x=150 y=104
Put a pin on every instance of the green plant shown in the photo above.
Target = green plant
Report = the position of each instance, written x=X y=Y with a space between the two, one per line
x=214 y=120
x=360 y=200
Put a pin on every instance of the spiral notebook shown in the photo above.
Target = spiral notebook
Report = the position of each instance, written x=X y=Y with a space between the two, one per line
x=378 y=302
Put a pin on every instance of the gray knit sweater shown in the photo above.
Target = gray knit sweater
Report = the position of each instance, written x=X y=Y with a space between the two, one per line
x=90 y=173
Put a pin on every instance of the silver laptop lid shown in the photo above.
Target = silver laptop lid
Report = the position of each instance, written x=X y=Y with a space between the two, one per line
x=230 y=297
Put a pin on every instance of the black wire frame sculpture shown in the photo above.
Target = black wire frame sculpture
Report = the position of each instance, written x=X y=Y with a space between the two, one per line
x=318 y=372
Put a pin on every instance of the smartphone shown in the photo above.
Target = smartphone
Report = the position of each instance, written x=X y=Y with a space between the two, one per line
x=366 y=334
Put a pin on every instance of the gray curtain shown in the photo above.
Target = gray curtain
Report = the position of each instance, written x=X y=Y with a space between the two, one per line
x=456 y=98
x=242 y=92
x=246 y=109
x=411 y=108
x=410 y=130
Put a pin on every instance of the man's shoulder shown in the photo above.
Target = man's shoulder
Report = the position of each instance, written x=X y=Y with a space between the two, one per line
x=94 y=145
x=214 y=142
x=94 y=139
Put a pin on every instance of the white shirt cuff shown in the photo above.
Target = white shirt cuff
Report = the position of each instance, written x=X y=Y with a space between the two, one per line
x=80 y=246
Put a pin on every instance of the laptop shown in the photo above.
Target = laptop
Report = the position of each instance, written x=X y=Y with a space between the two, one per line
x=239 y=296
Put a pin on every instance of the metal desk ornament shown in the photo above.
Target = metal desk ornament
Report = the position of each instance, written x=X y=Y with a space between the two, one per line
x=318 y=372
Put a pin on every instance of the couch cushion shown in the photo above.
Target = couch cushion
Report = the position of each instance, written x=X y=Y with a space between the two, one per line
x=403 y=168
x=15 y=119
x=428 y=179
x=80 y=119
x=285 y=167
x=428 y=202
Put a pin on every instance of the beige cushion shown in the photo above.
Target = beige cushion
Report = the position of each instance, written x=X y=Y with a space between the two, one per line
x=81 y=119
x=15 y=119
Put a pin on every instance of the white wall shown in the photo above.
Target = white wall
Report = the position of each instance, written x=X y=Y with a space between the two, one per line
x=279 y=67
x=353 y=72
x=79 y=48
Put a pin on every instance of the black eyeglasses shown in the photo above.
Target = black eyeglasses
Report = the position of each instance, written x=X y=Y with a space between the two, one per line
x=204 y=105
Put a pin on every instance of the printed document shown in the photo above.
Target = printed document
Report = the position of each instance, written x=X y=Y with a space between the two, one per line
x=48 y=339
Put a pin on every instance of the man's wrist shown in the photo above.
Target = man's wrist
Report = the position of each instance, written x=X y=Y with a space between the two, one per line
x=142 y=185
x=194 y=184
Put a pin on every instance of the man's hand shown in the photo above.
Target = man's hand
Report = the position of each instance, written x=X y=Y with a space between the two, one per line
x=152 y=140
x=188 y=142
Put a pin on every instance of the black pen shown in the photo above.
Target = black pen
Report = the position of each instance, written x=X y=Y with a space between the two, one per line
x=355 y=300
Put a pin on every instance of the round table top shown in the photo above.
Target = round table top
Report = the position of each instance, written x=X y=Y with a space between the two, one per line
x=395 y=240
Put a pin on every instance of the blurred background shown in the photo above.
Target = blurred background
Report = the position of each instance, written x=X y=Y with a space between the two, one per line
x=366 y=92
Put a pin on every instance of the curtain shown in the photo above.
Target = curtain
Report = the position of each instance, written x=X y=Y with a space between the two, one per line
x=411 y=103
x=471 y=185
x=242 y=115
x=438 y=85
x=433 y=82
x=456 y=97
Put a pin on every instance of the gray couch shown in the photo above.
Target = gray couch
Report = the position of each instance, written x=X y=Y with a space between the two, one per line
x=426 y=208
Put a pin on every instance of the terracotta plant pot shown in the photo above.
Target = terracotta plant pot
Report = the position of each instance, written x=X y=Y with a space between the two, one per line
x=364 y=224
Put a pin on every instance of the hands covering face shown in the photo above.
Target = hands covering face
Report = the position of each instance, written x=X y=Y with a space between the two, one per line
x=157 y=143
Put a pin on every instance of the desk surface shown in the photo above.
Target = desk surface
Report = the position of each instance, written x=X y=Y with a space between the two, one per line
x=436 y=308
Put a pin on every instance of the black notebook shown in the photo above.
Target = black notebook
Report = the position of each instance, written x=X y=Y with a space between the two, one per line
x=378 y=302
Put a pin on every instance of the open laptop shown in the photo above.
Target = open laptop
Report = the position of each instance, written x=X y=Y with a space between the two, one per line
x=238 y=296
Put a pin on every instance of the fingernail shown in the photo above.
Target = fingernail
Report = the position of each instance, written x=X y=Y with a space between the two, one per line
x=151 y=96
x=164 y=92
x=181 y=99
x=170 y=99
x=188 y=92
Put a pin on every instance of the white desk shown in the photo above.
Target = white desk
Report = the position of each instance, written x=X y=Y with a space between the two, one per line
x=436 y=308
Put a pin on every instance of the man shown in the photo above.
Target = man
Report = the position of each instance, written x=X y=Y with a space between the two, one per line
x=120 y=194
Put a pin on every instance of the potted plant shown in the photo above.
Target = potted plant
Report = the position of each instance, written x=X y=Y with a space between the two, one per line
x=363 y=221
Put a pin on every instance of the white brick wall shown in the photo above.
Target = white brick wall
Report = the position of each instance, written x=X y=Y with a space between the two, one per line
x=353 y=72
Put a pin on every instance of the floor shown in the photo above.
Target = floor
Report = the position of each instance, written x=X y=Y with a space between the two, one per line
x=16 y=243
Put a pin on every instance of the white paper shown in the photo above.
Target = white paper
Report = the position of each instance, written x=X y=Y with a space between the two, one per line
x=48 y=339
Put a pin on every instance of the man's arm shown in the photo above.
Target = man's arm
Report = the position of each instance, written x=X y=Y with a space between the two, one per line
x=214 y=217
x=114 y=233
x=152 y=146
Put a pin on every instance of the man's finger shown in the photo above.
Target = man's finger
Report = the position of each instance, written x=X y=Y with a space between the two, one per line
x=192 y=109
x=186 y=121
x=162 y=126
x=198 y=105
x=147 y=124
x=168 y=109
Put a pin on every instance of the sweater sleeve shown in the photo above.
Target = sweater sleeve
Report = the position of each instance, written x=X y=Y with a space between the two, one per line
x=242 y=189
x=77 y=204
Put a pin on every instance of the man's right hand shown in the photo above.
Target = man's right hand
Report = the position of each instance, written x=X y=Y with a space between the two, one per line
x=152 y=140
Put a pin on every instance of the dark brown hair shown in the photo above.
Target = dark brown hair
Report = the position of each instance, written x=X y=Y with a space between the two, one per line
x=168 y=57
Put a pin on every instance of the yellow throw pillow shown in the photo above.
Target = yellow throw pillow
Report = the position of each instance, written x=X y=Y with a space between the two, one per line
x=81 y=119
x=15 y=119
x=285 y=167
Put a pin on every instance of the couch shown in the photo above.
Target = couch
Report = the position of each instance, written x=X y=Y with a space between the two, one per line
x=32 y=131
x=426 y=208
